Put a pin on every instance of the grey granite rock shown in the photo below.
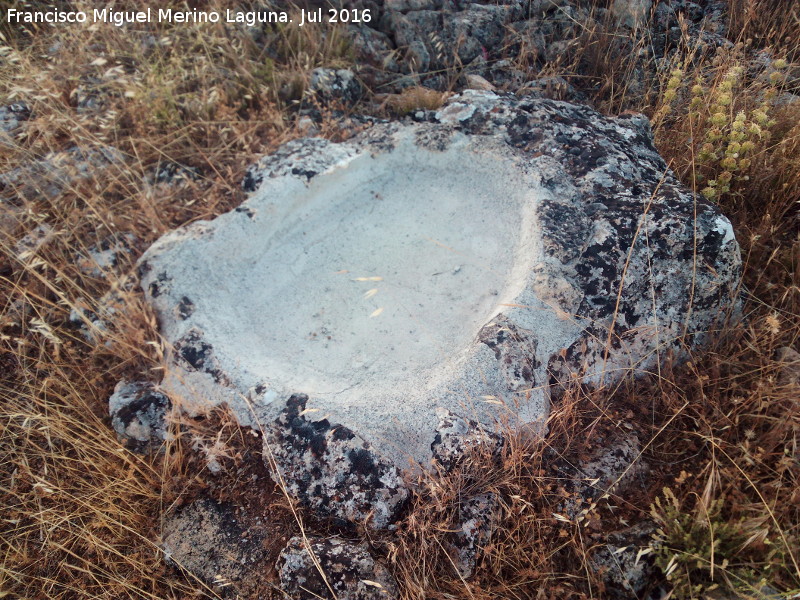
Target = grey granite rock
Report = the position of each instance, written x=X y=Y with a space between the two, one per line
x=472 y=262
x=624 y=561
x=92 y=96
x=631 y=13
x=373 y=48
x=350 y=572
x=553 y=88
x=94 y=319
x=457 y=437
x=334 y=86
x=12 y=117
x=104 y=257
x=10 y=218
x=616 y=465
x=29 y=244
x=475 y=520
x=615 y=468
x=172 y=173
x=789 y=374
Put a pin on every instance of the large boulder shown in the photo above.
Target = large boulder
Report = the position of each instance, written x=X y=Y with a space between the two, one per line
x=466 y=264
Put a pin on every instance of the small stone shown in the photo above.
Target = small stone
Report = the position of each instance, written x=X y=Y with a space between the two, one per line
x=10 y=218
x=91 y=96
x=476 y=82
x=307 y=126
x=477 y=518
x=350 y=572
x=544 y=7
x=138 y=414
x=505 y=75
x=172 y=173
x=616 y=465
x=612 y=469
x=789 y=374
x=554 y=88
x=32 y=241
x=102 y=258
x=12 y=116
x=94 y=319
x=631 y=13
x=373 y=48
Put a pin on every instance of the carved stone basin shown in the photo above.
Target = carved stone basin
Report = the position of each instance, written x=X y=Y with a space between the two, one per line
x=374 y=298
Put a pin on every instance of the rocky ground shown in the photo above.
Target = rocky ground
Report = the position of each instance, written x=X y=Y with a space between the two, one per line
x=682 y=482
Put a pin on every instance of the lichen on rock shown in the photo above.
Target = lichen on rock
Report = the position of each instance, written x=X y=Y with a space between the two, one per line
x=333 y=470
x=139 y=415
x=314 y=568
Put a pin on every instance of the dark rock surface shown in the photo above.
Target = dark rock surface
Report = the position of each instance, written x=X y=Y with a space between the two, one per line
x=624 y=561
x=789 y=374
x=103 y=258
x=329 y=86
x=615 y=468
x=223 y=547
x=95 y=320
x=457 y=437
x=614 y=203
x=477 y=519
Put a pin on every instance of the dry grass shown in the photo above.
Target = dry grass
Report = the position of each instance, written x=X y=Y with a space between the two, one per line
x=82 y=512
x=411 y=99
x=720 y=432
x=768 y=23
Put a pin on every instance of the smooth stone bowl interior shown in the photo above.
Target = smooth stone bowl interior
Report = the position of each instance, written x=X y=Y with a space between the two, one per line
x=364 y=287
x=379 y=273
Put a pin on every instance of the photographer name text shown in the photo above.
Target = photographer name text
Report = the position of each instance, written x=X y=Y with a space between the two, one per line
x=168 y=15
